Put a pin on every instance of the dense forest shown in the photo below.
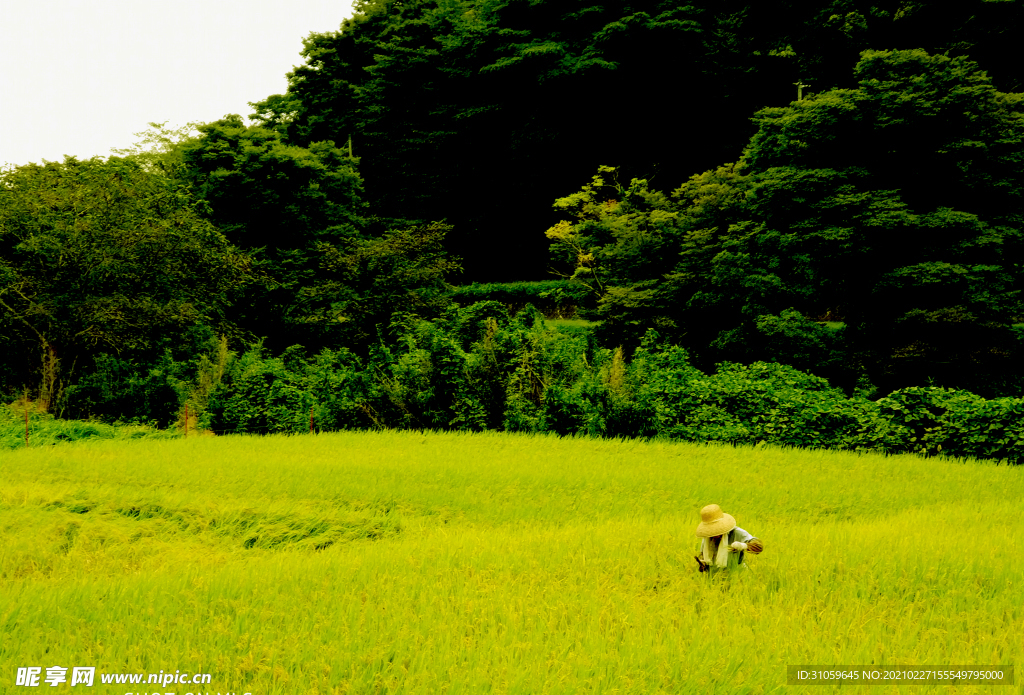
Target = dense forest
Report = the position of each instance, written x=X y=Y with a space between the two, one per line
x=786 y=222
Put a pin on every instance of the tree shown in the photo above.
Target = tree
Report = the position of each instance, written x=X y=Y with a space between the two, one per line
x=899 y=205
x=641 y=251
x=452 y=105
x=896 y=207
x=106 y=257
x=279 y=202
x=449 y=103
x=265 y=193
x=368 y=281
x=159 y=148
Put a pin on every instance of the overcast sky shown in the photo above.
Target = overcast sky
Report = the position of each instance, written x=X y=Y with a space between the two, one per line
x=79 y=77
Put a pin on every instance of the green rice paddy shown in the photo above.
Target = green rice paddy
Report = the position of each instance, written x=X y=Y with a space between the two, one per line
x=404 y=562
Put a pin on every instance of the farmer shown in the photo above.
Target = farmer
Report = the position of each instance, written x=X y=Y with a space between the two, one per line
x=723 y=544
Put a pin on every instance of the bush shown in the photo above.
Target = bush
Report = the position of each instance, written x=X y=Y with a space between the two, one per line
x=264 y=395
x=989 y=429
x=477 y=368
x=957 y=423
x=746 y=404
x=123 y=391
x=554 y=298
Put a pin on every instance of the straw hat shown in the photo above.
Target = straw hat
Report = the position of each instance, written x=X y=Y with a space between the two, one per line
x=714 y=522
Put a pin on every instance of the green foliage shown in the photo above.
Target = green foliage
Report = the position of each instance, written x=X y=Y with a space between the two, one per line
x=792 y=339
x=958 y=423
x=513 y=87
x=462 y=370
x=105 y=257
x=299 y=211
x=209 y=372
x=282 y=203
x=413 y=82
x=46 y=430
x=265 y=193
x=366 y=281
x=159 y=149
x=116 y=390
x=894 y=207
x=638 y=251
x=745 y=404
x=914 y=234
x=476 y=368
x=614 y=239
x=261 y=394
x=776 y=404
x=426 y=385
x=558 y=298
x=119 y=390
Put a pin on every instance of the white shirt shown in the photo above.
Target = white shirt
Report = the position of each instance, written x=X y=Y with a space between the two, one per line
x=737 y=534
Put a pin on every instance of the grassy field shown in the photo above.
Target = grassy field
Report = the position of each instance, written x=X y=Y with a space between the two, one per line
x=401 y=562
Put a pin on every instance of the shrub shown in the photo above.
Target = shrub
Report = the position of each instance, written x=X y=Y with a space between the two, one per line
x=957 y=423
x=122 y=390
x=477 y=368
x=554 y=298
x=262 y=395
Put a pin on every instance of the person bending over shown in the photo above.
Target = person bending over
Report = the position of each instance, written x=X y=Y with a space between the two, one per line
x=724 y=545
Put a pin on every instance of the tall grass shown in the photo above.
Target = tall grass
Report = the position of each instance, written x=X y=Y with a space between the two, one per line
x=44 y=430
x=421 y=563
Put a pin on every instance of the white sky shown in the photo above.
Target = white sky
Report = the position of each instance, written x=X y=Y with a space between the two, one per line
x=80 y=77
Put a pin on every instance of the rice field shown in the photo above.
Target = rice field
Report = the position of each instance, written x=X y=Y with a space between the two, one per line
x=406 y=562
